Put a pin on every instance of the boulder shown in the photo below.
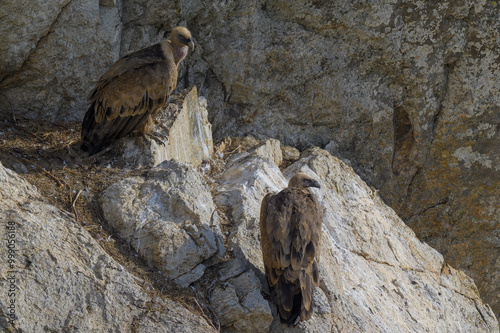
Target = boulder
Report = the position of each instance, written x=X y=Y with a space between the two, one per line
x=53 y=53
x=169 y=218
x=408 y=91
x=239 y=304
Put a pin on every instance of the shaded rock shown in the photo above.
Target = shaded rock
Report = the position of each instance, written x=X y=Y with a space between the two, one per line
x=240 y=306
x=52 y=54
x=63 y=279
x=185 y=126
x=232 y=268
x=169 y=218
x=226 y=305
x=376 y=276
x=408 y=91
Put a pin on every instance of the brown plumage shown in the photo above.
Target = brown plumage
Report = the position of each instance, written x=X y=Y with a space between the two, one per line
x=290 y=231
x=132 y=91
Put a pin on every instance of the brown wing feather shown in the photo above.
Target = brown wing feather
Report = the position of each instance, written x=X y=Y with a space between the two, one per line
x=290 y=225
x=130 y=62
x=135 y=91
x=133 y=88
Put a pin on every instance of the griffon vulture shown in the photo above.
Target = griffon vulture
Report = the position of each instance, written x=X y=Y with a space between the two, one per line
x=128 y=96
x=290 y=231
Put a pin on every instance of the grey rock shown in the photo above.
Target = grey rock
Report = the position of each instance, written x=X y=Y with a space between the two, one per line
x=407 y=90
x=240 y=306
x=64 y=281
x=241 y=188
x=52 y=54
x=187 y=278
x=269 y=149
x=290 y=153
x=231 y=268
x=226 y=305
x=169 y=218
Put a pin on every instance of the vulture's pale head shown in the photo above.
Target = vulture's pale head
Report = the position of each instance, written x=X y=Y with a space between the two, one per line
x=181 y=37
x=180 y=42
x=302 y=181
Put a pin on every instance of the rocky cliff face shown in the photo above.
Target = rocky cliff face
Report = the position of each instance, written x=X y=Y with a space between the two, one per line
x=376 y=276
x=405 y=91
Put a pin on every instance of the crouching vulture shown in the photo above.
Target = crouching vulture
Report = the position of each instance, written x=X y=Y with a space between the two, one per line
x=130 y=93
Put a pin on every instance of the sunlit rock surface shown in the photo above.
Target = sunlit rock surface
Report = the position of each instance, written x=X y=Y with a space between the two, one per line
x=169 y=218
x=406 y=91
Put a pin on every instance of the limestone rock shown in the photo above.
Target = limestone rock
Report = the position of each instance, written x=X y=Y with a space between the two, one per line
x=290 y=153
x=242 y=187
x=408 y=91
x=376 y=275
x=239 y=304
x=64 y=281
x=186 y=129
x=169 y=218
x=269 y=149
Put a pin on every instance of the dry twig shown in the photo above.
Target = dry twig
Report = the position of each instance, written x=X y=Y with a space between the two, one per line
x=99 y=154
x=206 y=317
x=61 y=183
x=73 y=205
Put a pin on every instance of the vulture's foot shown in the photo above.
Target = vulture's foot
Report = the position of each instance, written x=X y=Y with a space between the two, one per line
x=162 y=126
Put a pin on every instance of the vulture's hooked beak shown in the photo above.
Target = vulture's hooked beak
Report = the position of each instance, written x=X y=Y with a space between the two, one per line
x=190 y=44
x=314 y=183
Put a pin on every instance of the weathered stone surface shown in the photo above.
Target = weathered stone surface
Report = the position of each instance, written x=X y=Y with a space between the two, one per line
x=63 y=279
x=239 y=304
x=369 y=234
x=184 y=124
x=52 y=53
x=269 y=149
x=242 y=187
x=290 y=153
x=376 y=275
x=169 y=218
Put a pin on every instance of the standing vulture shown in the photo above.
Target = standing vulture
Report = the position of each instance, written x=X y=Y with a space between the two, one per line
x=290 y=231
x=132 y=91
